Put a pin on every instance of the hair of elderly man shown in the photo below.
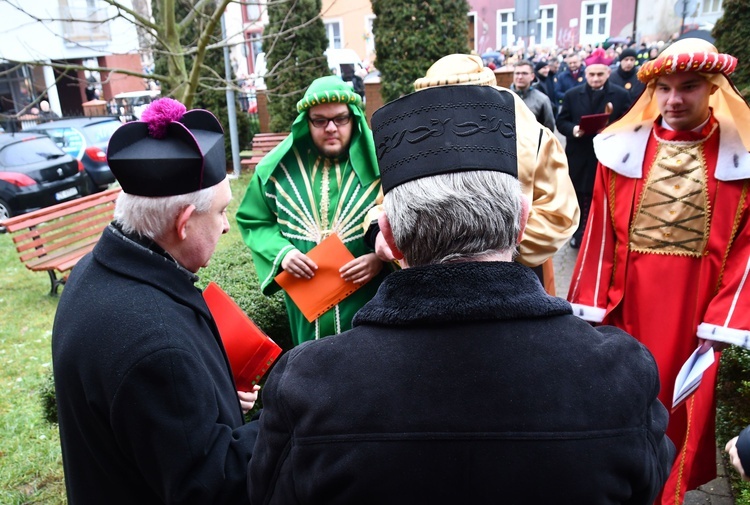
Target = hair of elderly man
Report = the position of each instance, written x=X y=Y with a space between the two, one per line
x=455 y=216
x=152 y=217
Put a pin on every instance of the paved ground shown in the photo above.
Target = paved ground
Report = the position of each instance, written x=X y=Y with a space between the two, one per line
x=716 y=492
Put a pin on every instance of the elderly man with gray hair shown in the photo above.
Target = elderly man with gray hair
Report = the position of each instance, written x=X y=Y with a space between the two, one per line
x=461 y=381
x=147 y=407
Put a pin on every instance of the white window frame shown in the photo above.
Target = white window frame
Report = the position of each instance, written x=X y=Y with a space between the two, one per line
x=256 y=5
x=329 y=23
x=88 y=31
x=593 y=38
x=473 y=14
x=542 y=24
x=709 y=4
x=369 y=34
x=510 y=25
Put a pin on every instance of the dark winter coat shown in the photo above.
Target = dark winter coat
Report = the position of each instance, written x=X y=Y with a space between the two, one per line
x=547 y=86
x=629 y=81
x=463 y=383
x=566 y=81
x=147 y=406
x=577 y=102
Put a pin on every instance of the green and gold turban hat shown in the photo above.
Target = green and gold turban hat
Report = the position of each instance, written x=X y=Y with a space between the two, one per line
x=330 y=89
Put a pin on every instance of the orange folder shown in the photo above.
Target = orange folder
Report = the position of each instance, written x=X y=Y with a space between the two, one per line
x=250 y=351
x=314 y=297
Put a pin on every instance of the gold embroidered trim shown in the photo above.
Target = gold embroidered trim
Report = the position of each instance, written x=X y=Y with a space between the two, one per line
x=673 y=215
x=325 y=200
x=614 y=226
x=690 y=403
x=735 y=228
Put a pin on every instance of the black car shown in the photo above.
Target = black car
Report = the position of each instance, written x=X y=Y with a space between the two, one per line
x=85 y=139
x=35 y=173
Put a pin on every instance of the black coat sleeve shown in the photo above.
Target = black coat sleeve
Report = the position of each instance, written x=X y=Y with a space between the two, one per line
x=743 y=449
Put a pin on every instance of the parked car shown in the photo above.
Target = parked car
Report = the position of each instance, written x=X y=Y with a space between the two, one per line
x=342 y=62
x=345 y=63
x=131 y=104
x=86 y=139
x=35 y=173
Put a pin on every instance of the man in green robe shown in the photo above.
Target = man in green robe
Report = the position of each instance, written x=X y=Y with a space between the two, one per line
x=322 y=179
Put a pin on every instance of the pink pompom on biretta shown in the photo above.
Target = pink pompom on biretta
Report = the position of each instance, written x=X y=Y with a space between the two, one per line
x=160 y=113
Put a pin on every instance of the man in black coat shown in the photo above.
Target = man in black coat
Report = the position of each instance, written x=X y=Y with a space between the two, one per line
x=571 y=77
x=626 y=74
x=545 y=82
x=462 y=381
x=596 y=96
x=147 y=406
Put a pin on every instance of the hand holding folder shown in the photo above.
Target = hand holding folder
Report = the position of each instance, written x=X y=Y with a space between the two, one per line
x=314 y=297
x=250 y=351
x=593 y=123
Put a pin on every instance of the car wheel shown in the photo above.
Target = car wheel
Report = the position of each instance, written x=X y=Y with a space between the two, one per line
x=90 y=187
x=5 y=211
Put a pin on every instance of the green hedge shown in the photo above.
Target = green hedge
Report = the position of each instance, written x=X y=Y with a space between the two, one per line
x=733 y=409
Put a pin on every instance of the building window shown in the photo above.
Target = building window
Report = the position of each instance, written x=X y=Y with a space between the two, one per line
x=369 y=35
x=506 y=28
x=595 y=19
x=254 y=46
x=472 y=35
x=252 y=11
x=334 y=32
x=711 y=6
x=88 y=21
x=546 y=25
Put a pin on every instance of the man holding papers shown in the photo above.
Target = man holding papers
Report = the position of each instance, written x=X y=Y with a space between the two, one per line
x=666 y=252
x=320 y=181
x=586 y=109
x=146 y=402
x=462 y=381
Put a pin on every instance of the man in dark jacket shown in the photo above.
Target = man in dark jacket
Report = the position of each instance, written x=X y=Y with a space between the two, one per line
x=462 y=381
x=570 y=78
x=626 y=74
x=535 y=100
x=545 y=82
x=147 y=406
x=596 y=96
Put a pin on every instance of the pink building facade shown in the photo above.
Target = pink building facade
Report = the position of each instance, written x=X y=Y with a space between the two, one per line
x=563 y=24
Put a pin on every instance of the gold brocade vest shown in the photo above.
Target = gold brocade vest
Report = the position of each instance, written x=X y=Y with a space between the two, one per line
x=673 y=213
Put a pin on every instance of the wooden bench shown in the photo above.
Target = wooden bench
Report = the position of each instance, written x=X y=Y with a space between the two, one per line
x=263 y=143
x=53 y=239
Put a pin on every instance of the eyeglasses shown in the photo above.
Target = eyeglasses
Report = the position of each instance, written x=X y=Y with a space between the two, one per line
x=322 y=122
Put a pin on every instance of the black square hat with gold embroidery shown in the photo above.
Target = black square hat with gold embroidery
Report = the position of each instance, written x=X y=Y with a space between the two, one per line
x=445 y=129
x=169 y=152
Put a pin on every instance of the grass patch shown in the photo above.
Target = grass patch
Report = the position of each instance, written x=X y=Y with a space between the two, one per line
x=30 y=460
x=30 y=456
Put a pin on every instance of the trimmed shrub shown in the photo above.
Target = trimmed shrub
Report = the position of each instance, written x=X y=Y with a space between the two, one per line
x=294 y=49
x=732 y=31
x=733 y=409
x=411 y=35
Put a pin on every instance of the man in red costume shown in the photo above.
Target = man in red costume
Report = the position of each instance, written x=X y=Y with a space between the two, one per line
x=666 y=253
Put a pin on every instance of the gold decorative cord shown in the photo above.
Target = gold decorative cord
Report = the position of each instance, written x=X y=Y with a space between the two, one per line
x=672 y=217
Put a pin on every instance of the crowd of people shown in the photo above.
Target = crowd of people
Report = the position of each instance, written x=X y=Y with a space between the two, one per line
x=448 y=372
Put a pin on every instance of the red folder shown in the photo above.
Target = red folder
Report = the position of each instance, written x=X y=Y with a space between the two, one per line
x=250 y=351
x=593 y=123
x=314 y=297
